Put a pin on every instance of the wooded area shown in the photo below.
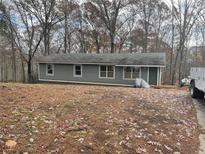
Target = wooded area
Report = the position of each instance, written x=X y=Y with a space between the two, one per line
x=30 y=28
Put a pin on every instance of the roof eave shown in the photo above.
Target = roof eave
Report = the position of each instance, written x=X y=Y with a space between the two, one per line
x=120 y=65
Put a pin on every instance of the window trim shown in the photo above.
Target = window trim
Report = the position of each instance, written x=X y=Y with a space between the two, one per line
x=111 y=78
x=53 y=68
x=74 y=70
x=131 y=73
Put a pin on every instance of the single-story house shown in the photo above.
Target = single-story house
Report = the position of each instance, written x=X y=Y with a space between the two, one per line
x=106 y=69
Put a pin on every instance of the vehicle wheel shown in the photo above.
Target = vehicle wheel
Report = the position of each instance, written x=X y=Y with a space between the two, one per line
x=194 y=92
x=201 y=95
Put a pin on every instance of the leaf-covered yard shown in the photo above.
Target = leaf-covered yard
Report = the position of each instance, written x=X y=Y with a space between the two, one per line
x=95 y=119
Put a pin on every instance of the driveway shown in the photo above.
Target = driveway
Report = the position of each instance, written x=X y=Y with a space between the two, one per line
x=200 y=107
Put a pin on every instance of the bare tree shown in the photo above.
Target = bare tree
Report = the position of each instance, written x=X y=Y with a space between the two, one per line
x=67 y=7
x=47 y=15
x=7 y=33
x=124 y=33
x=172 y=45
x=146 y=11
x=109 y=12
x=27 y=39
x=161 y=16
x=186 y=13
x=201 y=23
x=95 y=24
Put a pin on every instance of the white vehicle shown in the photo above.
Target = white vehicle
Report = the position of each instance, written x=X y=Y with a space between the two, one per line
x=197 y=83
x=185 y=82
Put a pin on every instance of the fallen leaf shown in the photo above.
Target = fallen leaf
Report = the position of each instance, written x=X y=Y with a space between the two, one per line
x=11 y=144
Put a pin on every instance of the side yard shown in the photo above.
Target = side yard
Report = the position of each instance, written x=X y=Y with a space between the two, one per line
x=95 y=119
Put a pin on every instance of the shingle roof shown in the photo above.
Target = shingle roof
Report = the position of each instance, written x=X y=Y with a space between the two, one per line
x=157 y=59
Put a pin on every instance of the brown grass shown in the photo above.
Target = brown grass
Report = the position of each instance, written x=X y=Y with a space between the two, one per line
x=96 y=119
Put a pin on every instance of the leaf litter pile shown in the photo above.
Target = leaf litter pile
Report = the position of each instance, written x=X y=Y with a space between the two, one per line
x=95 y=119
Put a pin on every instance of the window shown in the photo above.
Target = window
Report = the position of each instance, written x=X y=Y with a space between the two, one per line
x=136 y=73
x=78 y=70
x=103 y=71
x=107 y=71
x=131 y=73
x=110 y=71
x=50 y=69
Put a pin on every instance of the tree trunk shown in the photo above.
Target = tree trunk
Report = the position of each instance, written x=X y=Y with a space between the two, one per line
x=181 y=54
x=46 y=41
x=82 y=42
x=3 y=67
x=23 y=69
x=13 y=61
x=171 y=61
x=13 y=50
x=180 y=63
x=112 y=44
x=97 y=42
x=131 y=48
x=97 y=45
x=69 y=43
x=146 y=42
x=172 y=53
x=174 y=68
x=120 y=47
x=157 y=43
x=145 y=39
x=30 y=78
x=1 y=72
x=145 y=36
x=45 y=46
x=66 y=33
x=6 y=71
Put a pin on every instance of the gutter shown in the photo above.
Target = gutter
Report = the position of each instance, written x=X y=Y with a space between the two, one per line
x=163 y=66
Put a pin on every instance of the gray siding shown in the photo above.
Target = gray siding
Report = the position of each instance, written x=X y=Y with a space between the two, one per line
x=144 y=73
x=90 y=73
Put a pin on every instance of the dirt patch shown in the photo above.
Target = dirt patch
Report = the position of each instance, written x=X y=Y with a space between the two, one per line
x=96 y=119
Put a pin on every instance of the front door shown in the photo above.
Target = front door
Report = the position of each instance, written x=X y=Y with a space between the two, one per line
x=153 y=76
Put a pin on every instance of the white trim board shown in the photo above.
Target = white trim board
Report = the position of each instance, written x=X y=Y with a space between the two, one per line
x=39 y=74
x=141 y=65
x=158 y=77
x=102 y=64
x=53 y=68
x=76 y=63
x=74 y=71
x=106 y=72
x=148 y=75
x=91 y=83
x=140 y=74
